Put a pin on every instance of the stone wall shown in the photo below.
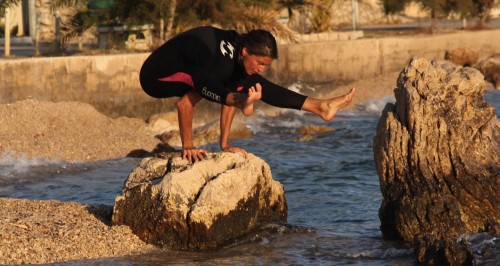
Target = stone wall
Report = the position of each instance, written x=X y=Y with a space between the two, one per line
x=108 y=82
x=111 y=82
x=363 y=58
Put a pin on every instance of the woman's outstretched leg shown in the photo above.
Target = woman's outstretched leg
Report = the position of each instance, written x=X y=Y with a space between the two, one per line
x=328 y=108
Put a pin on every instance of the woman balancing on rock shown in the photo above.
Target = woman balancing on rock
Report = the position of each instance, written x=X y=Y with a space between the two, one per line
x=223 y=66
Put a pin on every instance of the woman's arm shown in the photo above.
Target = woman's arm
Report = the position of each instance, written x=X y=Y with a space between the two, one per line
x=226 y=119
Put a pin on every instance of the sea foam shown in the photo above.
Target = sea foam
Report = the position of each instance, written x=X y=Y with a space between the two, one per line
x=13 y=165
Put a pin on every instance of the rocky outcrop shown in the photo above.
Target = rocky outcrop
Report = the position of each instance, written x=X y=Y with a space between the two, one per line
x=314 y=129
x=462 y=56
x=490 y=67
x=169 y=203
x=437 y=152
x=308 y=131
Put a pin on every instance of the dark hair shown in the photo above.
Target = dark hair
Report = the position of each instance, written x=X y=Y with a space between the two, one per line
x=260 y=42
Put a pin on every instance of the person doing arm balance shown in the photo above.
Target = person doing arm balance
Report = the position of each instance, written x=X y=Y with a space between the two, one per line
x=223 y=66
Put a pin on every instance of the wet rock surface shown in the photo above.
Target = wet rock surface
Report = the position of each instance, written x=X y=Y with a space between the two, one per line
x=169 y=203
x=437 y=153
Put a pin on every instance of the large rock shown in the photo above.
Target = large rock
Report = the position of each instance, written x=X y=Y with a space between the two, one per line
x=437 y=152
x=201 y=206
x=490 y=67
x=462 y=56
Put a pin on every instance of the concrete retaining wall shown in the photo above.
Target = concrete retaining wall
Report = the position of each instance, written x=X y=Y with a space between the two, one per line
x=111 y=82
x=357 y=59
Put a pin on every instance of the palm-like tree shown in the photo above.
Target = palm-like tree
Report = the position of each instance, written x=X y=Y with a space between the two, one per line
x=321 y=15
x=4 y=4
x=76 y=25
x=261 y=18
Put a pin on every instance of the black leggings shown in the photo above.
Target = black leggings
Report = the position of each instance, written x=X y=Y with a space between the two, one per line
x=275 y=95
x=151 y=73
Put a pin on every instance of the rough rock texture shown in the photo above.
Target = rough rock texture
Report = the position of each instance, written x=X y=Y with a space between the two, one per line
x=437 y=152
x=490 y=68
x=462 y=56
x=308 y=131
x=169 y=203
x=314 y=129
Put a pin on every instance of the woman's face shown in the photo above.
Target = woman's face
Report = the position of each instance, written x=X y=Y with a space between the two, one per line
x=254 y=64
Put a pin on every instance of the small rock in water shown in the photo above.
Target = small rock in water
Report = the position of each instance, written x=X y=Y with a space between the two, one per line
x=314 y=129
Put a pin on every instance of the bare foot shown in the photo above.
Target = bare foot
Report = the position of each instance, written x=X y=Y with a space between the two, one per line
x=330 y=107
x=254 y=94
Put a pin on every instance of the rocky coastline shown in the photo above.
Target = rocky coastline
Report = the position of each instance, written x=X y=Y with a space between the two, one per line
x=34 y=232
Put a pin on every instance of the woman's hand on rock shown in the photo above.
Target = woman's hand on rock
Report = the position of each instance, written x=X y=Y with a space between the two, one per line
x=236 y=150
x=193 y=154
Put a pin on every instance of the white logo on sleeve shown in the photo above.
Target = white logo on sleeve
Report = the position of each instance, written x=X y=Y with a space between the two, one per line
x=210 y=94
x=226 y=48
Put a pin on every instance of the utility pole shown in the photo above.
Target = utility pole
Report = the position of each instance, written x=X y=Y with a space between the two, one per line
x=38 y=18
x=58 y=31
x=32 y=19
x=7 y=32
x=354 y=4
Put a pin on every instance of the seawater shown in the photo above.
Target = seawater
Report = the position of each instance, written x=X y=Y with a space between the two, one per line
x=331 y=185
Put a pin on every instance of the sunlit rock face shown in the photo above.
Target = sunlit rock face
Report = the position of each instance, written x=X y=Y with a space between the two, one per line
x=490 y=67
x=437 y=153
x=200 y=206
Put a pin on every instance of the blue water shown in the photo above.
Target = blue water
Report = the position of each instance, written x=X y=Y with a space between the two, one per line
x=331 y=185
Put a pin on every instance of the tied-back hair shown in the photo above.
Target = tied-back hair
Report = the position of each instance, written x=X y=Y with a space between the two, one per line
x=260 y=43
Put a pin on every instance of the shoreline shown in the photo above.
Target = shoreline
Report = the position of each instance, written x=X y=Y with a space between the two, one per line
x=75 y=131
x=46 y=231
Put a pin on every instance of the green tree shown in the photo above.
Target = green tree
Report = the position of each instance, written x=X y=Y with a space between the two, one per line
x=79 y=23
x=241 y=15
x=392 y=7
x=442 y=8
x=4 y=4
x=321 y=15
x=482 y=10
x=158 y=13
